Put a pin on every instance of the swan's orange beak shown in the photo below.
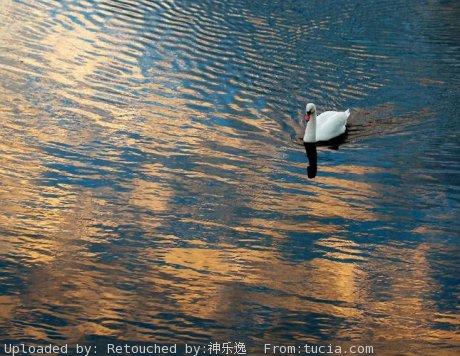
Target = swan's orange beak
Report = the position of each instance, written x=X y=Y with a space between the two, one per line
x=307 y=117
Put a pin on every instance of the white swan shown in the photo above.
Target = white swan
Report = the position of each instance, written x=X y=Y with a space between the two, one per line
x=326 y=126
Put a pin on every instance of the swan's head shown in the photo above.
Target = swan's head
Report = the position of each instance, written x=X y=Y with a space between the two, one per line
x=309 y=110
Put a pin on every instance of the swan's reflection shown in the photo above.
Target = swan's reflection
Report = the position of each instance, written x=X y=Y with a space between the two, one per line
x=312 y=155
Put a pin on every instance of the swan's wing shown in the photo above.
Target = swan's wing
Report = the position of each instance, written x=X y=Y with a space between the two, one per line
x=329 y=115
x=324 y=117
x=331 y=124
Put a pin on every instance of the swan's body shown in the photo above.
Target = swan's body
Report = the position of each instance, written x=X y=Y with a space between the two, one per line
x=325 y=127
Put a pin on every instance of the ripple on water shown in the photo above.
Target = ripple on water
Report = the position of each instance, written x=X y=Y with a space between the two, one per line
x=150 y=188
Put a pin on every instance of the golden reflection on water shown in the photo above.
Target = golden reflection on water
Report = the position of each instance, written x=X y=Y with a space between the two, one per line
x=306 y=287
x=202 y=277
x=56 y=229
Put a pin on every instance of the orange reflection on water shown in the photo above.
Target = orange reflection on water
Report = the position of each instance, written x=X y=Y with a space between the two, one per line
x=95 y=257
x=315 y=286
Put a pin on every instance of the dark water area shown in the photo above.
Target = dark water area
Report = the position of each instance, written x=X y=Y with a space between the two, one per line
x=151 y=189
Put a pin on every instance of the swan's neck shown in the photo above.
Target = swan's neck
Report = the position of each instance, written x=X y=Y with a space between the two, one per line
x=310 y=130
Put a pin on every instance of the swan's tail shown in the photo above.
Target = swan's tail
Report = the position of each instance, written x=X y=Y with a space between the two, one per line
x=347 y=114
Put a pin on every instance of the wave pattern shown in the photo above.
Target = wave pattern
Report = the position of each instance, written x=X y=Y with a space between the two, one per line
x=150 y=188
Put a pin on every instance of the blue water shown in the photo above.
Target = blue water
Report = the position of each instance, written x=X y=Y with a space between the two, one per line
x=152 y=190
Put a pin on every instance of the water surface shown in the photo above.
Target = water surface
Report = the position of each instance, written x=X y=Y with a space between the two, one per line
x=151 y=190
